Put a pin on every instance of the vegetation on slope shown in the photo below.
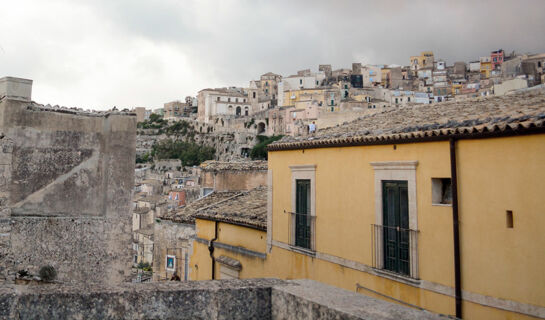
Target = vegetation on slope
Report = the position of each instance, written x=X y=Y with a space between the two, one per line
x=259 y=151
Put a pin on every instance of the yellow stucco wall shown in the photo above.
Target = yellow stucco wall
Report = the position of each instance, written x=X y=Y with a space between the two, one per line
x=498 y=263
x=495 y=175
x=234 y=235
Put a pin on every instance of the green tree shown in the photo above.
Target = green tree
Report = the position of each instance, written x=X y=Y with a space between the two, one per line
x=259 y=151
x=190 y=153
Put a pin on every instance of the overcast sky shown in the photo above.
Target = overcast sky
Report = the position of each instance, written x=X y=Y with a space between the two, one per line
x=127 y=53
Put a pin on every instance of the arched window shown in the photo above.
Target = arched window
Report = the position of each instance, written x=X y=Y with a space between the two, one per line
x=246 y=111
x=239 y=111
x=260 y=127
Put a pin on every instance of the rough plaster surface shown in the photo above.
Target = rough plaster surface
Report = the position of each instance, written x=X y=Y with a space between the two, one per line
x=65 y=193
x=217 y=299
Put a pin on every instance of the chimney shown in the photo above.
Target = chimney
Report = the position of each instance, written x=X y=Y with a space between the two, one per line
x=15 y=88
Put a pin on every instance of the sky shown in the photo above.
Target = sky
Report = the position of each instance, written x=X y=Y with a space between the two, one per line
x=96 y=54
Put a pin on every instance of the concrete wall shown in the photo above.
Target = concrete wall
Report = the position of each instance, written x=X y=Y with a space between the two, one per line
x=65 y=188
x=229 y=180
x=510 y=85
x=234 y=299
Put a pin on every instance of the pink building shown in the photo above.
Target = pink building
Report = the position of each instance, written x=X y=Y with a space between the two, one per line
x=298 y=117
x=497 y=58
x=177 y=198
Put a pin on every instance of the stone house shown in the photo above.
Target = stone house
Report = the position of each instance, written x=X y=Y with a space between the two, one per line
x=232 y=176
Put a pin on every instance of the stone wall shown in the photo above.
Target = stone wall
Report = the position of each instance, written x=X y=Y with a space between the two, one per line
x=65 y=188
x=171 y=238
x=217 y=299
x=233 y=180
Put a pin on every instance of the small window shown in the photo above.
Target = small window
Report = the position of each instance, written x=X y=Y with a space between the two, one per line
x=509 y=219
x=300 y=81
x=228 y=99
x=254 y=94
x=441 y=191
x=218 y=98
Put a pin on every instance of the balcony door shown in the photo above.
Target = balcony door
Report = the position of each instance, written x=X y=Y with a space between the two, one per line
x=396 y=226
x=302 y=214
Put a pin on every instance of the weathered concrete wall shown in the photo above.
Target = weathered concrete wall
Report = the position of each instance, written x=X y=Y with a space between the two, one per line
x=171 y=238
x=232 y=180
x=218 y=299
x=66 y=179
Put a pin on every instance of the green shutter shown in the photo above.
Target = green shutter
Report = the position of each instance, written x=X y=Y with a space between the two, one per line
x=302 y=216
x=395 y=212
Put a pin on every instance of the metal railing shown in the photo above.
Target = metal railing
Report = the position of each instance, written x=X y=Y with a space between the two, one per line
x=394 y=249
x=302 y=230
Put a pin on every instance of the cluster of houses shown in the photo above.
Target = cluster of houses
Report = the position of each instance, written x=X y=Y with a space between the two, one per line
x=286 y=105
x=435 y=206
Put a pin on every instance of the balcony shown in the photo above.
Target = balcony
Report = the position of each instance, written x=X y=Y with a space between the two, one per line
x=302 y=232
x=395 y=250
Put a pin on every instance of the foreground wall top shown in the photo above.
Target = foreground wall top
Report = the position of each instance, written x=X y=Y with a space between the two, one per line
x=16 y=88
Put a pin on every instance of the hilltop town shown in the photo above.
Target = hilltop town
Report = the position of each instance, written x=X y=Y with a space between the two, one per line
x=229 y=119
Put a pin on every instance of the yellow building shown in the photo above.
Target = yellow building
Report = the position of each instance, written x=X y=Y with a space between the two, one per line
x=424 y=60
x=231 y=236
x=323 y=96
x=486 y=68
x=440 y=210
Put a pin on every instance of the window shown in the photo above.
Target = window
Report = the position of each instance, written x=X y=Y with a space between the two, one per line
x=253 y=93
x=218 y=98
x=303 y=215
x=300 y=81
x=409 y=99
x=236 y=99
x=238 y=111
x=441 y=191
x=394 y=234
x=395 y=226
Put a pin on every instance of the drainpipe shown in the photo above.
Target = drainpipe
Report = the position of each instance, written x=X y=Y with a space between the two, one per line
x=211 y=249
x=456 y=230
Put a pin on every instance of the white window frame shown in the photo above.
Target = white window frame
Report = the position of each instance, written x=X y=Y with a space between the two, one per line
x=397 y=171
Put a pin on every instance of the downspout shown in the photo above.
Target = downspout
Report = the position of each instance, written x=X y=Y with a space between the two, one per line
x=211 y=249
x=456 y=230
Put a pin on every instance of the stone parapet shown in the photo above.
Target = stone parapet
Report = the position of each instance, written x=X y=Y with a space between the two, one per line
x=218 y=299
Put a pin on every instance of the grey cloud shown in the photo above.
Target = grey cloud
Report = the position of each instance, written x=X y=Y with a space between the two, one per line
x=231 y=42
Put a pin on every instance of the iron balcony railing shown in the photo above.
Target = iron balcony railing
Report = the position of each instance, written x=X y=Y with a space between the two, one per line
x=302 y=230
x=395 y=249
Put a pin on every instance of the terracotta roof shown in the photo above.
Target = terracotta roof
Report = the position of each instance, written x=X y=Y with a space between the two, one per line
x=480 y=117
x=213 y=165
x=247 y=208
x=186 y=214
